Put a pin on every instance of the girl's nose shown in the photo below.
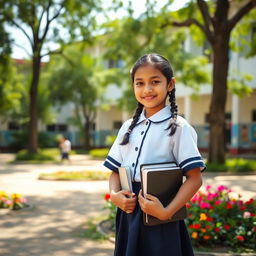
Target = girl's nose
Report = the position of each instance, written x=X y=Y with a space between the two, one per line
x=148 y=88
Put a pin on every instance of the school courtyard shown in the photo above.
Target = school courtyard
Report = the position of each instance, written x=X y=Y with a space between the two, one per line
x=62 y=208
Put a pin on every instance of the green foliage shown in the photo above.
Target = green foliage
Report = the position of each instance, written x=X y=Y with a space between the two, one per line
x=45 y=140
x=100 y=153
x=42 y=155
x=239 y=86
x=110 y=140
x=233 y=165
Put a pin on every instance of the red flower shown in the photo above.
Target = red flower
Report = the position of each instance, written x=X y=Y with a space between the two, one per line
x=217 y=229
x=197 y=226
x=249 y=201
x=228 y=205
x=242 y=208
x=209 y=219
x=240 y=238
x=107 y=197
x=227 y=227
x=188 y=205
x=208 y=227
x=254 y=228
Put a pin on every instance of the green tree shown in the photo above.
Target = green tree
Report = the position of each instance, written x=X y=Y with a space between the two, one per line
x=42 y=22
x=75 y=80
x=131 y=37
x=216 y=20
x=10 y=85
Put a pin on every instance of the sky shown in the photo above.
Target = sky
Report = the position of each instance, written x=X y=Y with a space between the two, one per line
x=19 y=38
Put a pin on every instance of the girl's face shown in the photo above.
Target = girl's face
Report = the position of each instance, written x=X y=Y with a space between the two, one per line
x=151 y=88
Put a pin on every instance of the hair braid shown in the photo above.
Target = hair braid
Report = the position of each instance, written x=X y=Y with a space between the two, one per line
x=134 y=122
x=174 y=110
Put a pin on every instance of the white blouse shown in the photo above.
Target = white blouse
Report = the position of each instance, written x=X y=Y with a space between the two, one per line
x=150 y=143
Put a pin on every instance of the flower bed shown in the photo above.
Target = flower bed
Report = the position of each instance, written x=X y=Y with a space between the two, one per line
x=216 y=219
x=13 y=202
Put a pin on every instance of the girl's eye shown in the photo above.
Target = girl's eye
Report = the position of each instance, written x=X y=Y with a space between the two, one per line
x=155 y=82
x=138 y=83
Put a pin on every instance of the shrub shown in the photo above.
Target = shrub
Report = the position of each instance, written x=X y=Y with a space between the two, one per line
x=233 y=165
x=215 y=218
x=42 y=155
x=99 y=153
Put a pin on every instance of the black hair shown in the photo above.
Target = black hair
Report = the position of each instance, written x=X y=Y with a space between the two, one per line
x=162 y=64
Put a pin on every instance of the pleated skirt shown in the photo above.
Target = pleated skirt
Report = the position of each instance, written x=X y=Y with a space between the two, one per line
x=133 y=238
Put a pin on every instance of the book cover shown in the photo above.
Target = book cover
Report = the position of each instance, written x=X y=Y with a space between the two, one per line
x=125 y=178
x=162 y=180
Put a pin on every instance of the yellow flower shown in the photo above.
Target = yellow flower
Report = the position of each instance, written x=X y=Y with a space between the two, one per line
x=16 y=196
x=194 y=235
x=203 y=216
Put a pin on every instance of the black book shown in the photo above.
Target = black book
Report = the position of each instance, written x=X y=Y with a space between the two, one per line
x=162 y=180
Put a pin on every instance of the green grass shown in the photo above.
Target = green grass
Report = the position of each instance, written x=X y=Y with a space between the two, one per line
x=100 y=153
x=89 y=231
x=75 y=175
x=235 y=165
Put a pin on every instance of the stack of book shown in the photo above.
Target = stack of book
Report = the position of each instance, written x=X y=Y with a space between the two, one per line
x=162 y=180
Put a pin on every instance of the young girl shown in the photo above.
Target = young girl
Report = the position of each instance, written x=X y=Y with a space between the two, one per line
x=155 y=134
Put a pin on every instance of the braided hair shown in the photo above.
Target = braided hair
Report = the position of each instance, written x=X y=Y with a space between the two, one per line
x=163 y=65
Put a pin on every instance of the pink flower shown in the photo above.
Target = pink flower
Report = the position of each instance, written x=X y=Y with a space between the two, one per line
x=221 y=188
x=217 y=202
x=208 y=187
x=205 y=205
x=247 y=215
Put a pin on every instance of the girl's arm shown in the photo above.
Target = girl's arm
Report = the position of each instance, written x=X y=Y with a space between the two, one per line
x=125 y=200
x=151 y=205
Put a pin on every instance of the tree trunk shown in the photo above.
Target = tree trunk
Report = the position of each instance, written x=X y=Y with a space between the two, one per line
x=33 y=118
x=219 y=96
x=87 y=127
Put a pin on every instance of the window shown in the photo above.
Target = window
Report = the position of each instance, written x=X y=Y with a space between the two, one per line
x=57 y=128
x=14 y=126
x=254 y=115
x=115 y=63
x=117 y=125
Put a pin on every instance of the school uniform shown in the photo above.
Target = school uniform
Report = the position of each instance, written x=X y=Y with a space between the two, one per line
x=150 y=143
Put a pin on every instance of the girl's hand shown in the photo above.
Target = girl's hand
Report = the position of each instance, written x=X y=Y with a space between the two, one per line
x=125 y=200
x=152 y=206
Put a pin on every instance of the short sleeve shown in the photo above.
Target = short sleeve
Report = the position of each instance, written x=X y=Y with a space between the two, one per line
x=185 y=149
x=114 y=158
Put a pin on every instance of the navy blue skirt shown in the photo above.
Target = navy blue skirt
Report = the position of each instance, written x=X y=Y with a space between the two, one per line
x=133 y=238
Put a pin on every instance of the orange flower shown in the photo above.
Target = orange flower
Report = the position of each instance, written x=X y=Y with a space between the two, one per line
x=203 y=216
x=206 y=237
x=194 y=235
x=203 y=230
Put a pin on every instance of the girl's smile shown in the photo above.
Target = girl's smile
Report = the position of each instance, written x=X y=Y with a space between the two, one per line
x=151 y=89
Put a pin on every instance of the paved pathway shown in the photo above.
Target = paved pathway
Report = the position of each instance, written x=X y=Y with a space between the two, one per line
x=62 y=208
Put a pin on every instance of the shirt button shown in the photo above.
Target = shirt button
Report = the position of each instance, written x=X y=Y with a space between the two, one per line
x=142 y=133
x=136 y=149
x=147 y=123
x=133 y=164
